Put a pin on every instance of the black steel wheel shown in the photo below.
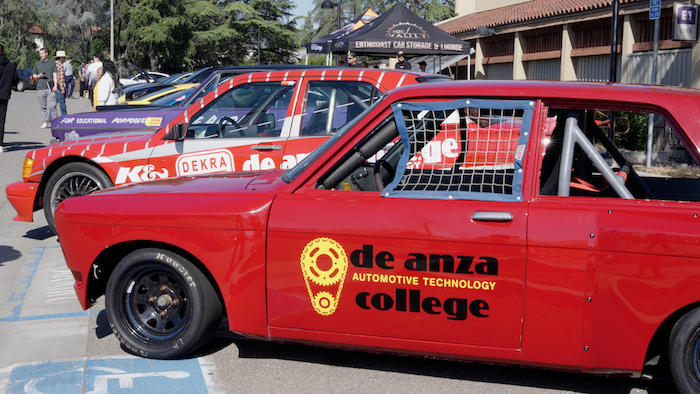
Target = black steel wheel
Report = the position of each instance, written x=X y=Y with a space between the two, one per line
x=684 y=352
x=72 y=180
x=160 y=305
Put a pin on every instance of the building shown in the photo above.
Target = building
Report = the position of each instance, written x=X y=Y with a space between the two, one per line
x=570 y=40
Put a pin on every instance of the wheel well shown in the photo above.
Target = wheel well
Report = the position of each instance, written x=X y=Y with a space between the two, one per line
x=658 y=346
x=105 y=263
x=53 y=167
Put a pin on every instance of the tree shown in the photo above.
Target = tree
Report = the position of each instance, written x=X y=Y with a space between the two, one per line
x=17 y=17
x=74 y=24
x=155 y=34
x=279 y=37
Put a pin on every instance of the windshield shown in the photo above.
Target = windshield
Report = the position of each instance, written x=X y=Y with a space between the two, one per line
x=210 y=86
x=299 y=168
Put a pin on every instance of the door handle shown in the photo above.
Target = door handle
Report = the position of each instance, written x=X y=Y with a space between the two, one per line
x=266 y=147
x=484 y=216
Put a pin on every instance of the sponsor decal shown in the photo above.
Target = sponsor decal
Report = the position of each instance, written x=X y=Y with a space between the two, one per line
x=407 y=30
x=206 y=162
x=324 y=265
x=153 y=121
x=91 y=121
x=72 y=135
x=140 y=173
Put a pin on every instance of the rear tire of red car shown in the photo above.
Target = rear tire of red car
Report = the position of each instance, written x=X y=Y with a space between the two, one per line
x=684 y=352
x=160 y=305
x=72 y=180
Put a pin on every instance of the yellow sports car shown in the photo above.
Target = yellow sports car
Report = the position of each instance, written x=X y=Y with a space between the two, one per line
x=147 y=99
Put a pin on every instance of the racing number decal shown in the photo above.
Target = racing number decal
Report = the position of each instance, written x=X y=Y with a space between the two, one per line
x=324 y=264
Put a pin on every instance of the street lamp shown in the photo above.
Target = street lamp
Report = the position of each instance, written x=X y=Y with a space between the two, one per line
x=252 y=30
x=329 y=5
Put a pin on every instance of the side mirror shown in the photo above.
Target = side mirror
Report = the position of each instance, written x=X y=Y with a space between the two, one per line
x=178 y=132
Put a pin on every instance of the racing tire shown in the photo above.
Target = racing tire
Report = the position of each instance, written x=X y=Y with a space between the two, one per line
x=72 y=180
x=159 y=305
x=684 y=352
x=21 y=86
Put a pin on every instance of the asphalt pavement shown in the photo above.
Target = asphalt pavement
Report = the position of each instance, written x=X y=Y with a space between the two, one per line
x=48 y=344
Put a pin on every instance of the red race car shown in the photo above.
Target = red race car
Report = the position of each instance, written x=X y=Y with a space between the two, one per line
x=265 y=120
x=485 y=220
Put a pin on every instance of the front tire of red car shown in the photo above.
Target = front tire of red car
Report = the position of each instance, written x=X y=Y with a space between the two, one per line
x=72 y=180
x=684 y=352
x=160 y=305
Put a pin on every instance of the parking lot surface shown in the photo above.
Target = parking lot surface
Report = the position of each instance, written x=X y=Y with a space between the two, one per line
x=48 y=344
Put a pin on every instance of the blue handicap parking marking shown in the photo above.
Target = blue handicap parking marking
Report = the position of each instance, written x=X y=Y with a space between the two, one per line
x=109 y=376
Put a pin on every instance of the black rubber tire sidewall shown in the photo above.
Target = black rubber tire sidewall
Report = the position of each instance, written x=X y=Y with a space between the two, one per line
x=683 y=345
x=85 y=168
x=204 y=307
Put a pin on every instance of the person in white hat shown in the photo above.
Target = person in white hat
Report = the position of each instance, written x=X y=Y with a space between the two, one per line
x=61 y=82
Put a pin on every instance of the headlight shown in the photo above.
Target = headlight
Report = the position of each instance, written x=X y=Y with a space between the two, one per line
x=27 y=167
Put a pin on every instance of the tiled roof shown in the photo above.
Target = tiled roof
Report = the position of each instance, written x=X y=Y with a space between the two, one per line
x=523 y=12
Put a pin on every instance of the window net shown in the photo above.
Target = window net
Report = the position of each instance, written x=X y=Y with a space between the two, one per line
x=462 y=151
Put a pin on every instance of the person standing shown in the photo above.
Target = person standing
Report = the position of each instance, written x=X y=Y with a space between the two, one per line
x=402 y=63
x=70 y=79
x=8 y=79
x=45 y=73
x=82 y=74
x=422 y=65
x=92 y=77
x=61 y=82
x=107 y=83
x=351 y=60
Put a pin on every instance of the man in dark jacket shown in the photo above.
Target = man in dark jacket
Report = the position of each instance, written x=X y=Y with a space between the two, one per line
x=8 y=79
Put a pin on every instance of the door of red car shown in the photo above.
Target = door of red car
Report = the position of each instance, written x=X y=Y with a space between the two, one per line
x=245 y=128
x=434 y=255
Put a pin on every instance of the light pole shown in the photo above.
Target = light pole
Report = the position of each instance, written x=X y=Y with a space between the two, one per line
x=254 y=30
x=329 y=5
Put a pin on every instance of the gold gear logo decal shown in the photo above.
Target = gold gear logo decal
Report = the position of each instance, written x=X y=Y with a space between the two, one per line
x=324 y=265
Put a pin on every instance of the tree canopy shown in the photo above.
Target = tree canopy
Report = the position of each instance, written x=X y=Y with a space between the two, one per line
x=177 y=35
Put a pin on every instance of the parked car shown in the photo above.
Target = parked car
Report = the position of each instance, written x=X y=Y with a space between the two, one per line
x=152 y=76
x=447 y=220
x=251 y=122
x=135 y=92
x=149 y=99
x=25 y=81
x=113 y=118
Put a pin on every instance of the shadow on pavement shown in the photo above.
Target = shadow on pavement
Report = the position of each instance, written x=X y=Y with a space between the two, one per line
x=40 y=233
x=8 y=253
x=22 y=145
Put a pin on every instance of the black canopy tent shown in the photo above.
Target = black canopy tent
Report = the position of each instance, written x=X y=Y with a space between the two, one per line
x=323 y=45
x=400 y=29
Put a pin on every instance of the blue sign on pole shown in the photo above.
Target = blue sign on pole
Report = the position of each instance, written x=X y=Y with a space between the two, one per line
x=654 y=9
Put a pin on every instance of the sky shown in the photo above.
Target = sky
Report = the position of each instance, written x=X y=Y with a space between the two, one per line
x=303 y=7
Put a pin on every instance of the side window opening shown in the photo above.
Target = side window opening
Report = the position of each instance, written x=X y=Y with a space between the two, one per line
x=330 y=105
x=581 y=160
x=463 y=149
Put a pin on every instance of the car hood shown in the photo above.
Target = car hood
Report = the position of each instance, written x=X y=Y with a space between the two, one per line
x=224 y=201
